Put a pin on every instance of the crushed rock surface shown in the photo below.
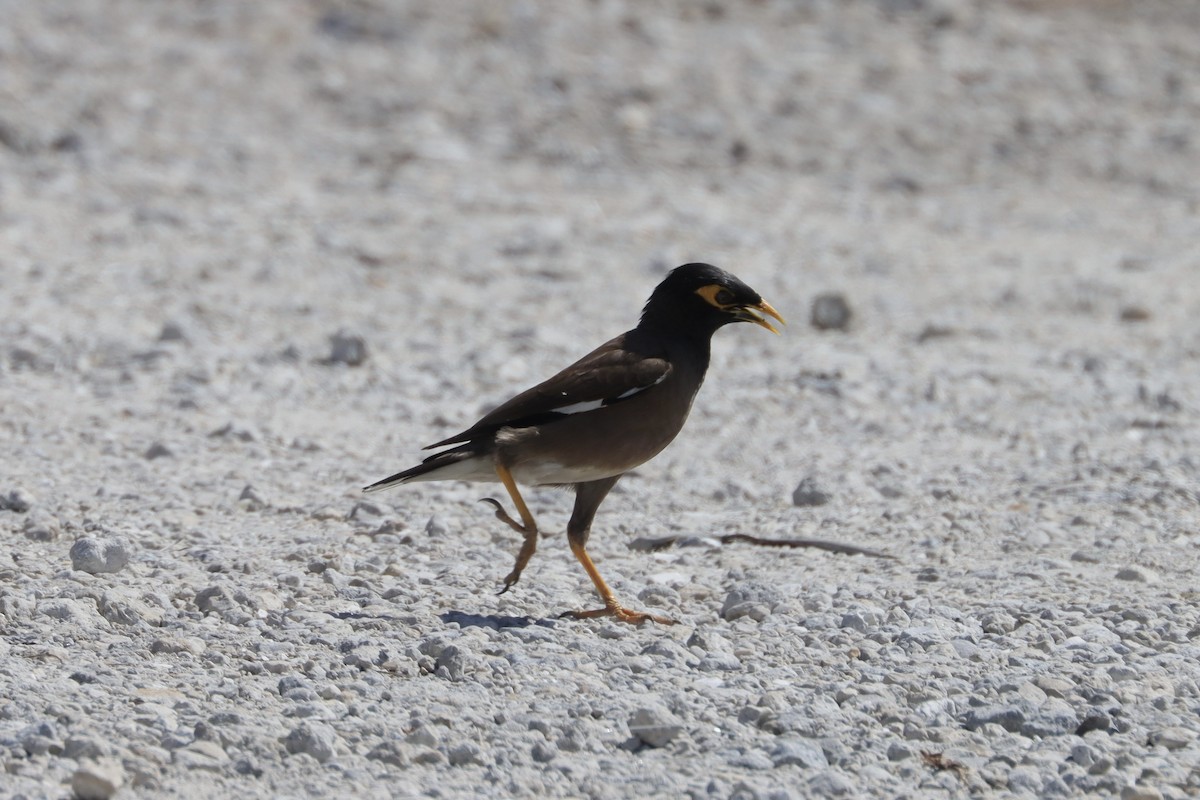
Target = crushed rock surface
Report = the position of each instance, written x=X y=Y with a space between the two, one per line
x=255 y=255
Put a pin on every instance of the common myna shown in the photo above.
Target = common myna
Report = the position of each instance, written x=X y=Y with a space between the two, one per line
x=612 y=410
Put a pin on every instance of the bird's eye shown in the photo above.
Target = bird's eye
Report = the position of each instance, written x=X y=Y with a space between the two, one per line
x=718 y=296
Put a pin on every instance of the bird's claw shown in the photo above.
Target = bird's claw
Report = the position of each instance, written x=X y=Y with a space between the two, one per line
x=503 y=516
x=619 y=612
x=511 y=579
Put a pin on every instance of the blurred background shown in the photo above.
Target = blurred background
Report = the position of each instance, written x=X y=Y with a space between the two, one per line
x=196 y=196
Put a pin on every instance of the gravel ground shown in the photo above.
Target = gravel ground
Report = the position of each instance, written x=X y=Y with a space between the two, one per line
x=254 y=255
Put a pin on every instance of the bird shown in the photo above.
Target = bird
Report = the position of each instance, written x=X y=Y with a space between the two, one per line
x=609 y=412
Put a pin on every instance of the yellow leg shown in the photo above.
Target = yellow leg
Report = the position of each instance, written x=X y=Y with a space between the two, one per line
x=529 y=529
x=611 y=607
x=588 y=497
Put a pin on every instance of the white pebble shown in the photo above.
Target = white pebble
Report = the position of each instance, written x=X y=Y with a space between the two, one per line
x=1173 y=738
x=347 y=348
x=98 y=780
x=19 y=500
x=314 y=738
x=654 y=725
x=96 y=555
x=205 y=755
x=1137 y=574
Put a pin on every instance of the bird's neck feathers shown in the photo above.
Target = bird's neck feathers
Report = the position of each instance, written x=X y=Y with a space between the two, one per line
x=671 y=318
x=674 y=335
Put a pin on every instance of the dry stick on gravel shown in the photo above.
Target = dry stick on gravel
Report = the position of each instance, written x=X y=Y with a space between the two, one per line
x=663 y=542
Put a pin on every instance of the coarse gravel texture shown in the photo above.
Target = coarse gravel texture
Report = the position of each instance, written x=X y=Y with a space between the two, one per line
x=253 y=256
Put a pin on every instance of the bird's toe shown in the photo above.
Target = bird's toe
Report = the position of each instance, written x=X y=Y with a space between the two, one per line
x=618 y=612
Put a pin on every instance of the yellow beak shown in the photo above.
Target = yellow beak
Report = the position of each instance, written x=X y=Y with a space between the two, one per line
x=747 y=314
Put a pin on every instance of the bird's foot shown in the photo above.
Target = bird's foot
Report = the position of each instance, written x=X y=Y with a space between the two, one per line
x=528 y=547
x=615 y=609
x=503 y=516
x=510 y=580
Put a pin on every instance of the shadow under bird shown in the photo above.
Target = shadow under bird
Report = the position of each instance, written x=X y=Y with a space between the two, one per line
x=609 y=412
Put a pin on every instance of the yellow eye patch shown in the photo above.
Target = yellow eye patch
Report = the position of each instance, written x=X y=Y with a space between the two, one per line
x=717 y=296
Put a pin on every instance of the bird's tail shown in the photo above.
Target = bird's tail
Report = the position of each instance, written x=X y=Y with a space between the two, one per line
x=424 y=470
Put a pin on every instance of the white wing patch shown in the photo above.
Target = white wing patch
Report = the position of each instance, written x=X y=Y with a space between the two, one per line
x=593 y=405
x=579 y=408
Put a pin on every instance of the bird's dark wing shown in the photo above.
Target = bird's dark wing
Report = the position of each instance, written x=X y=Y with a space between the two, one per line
x=609 y=374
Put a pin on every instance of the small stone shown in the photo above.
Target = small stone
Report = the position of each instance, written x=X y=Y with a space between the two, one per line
x=1173 y=738
x=390 y=752
x=928 y=575
x=900 y=751
x=1027 y=780
x=1053 y=718
x=250 y=499
x=423 y=736
x=366 y=512
x=19 y=500
x=751 y=760
x=799 y=752
x=1123 y=672
x=654 y=725
x=1083 y=754
x=544 y=752
x=430 y=757
x=830 y=311
x=966 y=649
x=831 y=783
x=709 y=641
x=1138 y=791
x=82 y=747
x=719 y=662
x=752 y=599
x=932 y=330
x=125 y=607
x=192 y=645
x=41 y=527
x=1137 y=574
x=1096 y=721
x=435 y=527
x=347 y=348
x=66 y=609
x=157 y=450
x=1009 y=717
x=327 y=513
x=215 y=599
x=314 y=738
x=1134 y=314
x=1032 y=693
x=998 y=622
x=465 y=753
x=96 y=555
x=239 y=431
x=225 y=719
x=202 y=754
x=807 y=493
x=245 y=766
x=854 y=621
x=38 y=738
x=98 y=780
x=1054 y=686
x=455 y=662
x=171 y=332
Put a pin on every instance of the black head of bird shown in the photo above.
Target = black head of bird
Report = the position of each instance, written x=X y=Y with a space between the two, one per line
x=609 y=412
x=700 y=298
